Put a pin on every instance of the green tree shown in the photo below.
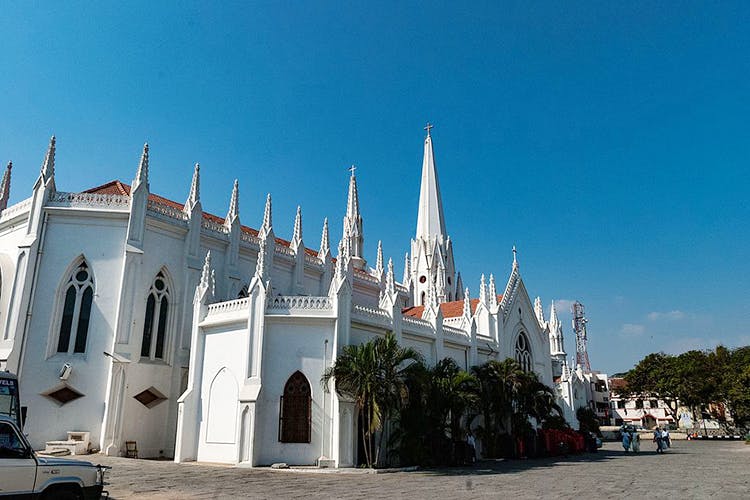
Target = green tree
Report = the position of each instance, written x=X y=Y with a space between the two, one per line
x=736 y=386
x=439 y=400
x=495 y=382
x=655 y=376
x=373 y=375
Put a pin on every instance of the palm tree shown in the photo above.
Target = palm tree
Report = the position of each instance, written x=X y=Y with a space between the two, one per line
x=373 y=375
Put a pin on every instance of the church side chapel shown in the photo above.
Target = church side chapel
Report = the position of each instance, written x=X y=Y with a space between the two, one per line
x=138 y=318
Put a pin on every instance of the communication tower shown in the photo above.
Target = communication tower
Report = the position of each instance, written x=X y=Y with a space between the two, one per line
x=579 y=326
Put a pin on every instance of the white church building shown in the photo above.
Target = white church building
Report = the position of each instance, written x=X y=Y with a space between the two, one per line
x=137 y=318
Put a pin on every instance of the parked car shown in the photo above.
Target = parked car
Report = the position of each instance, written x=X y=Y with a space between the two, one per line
x=24 y=474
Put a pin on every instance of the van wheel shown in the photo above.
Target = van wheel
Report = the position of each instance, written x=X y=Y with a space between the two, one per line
x=62 y=493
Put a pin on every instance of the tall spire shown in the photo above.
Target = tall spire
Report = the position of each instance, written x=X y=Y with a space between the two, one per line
x=195 y=189
x=325 y=246
x=48 y=167
x=430 y=218
x=5 y=187
x=353 y=233
x=297 y=234
x=267 y=221
x=234 y=205
x=141 y=177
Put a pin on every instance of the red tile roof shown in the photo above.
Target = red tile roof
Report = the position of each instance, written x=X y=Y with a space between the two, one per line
x=449 y=309
x=117 y=187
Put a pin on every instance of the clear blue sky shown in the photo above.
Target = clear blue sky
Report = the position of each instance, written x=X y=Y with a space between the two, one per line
x=609 y=143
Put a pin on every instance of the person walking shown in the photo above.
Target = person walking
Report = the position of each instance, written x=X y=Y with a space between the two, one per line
x=625 y=439
x=658 y=440
x=665 y=437
x=635 y=442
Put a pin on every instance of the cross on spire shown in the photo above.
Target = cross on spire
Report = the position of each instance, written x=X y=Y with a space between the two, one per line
x=352 y=169
x=428 y=127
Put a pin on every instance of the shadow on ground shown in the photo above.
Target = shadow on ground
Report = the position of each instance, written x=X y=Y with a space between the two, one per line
x=509 y=466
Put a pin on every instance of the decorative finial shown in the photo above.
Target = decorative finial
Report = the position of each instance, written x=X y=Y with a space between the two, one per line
x=428 y=127
x=267 y=221
x=493 y=291
x=325 y=246
x=467 y=303
x=514 y=254
x=195 y=189
x=379 y=259
x=482 y=290
x=142 y=175
x=206 y=271
x=48 y=167
x=234 y=204
x=390 y=280
x=297 y=234
x=407 y=269
x=5 y=187
x=352 y=169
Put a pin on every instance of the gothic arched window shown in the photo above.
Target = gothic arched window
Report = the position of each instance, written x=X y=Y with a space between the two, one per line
x=76 y=311
x=296 y=410
x=523 y=352
x=155 y=322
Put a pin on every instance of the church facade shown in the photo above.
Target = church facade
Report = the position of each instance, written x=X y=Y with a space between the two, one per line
x=137 y=318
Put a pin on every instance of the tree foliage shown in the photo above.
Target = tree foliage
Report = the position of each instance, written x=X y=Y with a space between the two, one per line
x=696 y=379
x=426 y=412
x=374 y=376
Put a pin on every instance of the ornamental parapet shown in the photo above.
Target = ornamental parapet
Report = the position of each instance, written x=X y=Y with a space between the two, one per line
x=299 y=305
x=370 y=315
x=165 y=211
x=416 y=325
x=229 y=306
x=214 y=226
x=313 y=261
x=88 y=200
x=15 y=210
x=455 y=332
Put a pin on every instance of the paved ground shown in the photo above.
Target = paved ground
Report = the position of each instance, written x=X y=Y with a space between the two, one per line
x=691 y=469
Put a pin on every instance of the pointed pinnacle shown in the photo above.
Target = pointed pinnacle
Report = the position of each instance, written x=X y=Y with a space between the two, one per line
x=195 y=187
x=325 y=246
x=5 y=187
x=297 y=235
x=48 y=167
x=379 y=260
x=142 y=175
x=267 y=222
x=407 y=268
x=234 y=204
x=206 y=271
